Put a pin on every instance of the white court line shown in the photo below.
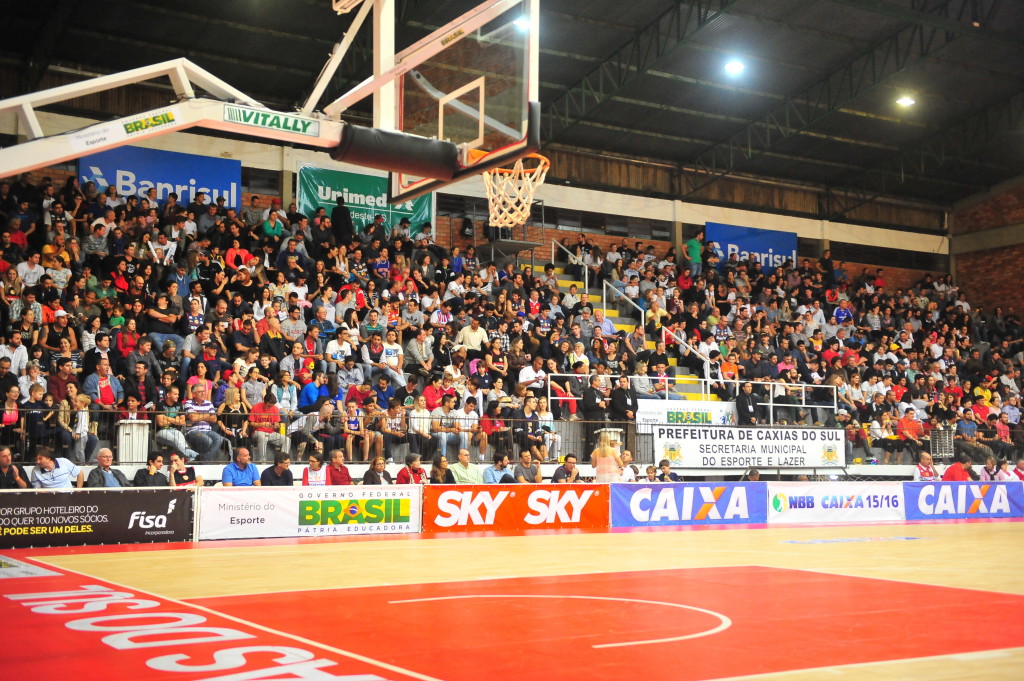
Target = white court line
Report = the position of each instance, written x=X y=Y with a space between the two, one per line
x=724 y=622
x=276 y=632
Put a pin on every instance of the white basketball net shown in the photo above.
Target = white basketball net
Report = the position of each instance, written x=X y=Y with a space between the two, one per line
x=510 y=191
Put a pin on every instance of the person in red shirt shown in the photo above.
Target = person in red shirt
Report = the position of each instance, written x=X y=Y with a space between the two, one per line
x=1019 y=470
x=337 y=472
x=412 y=473
x=958 y=471
x=911 y=432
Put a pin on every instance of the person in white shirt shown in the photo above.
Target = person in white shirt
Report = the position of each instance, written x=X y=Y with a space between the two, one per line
x=533 y=376
x=394 y=358
x=628 y=474
x=31 y=271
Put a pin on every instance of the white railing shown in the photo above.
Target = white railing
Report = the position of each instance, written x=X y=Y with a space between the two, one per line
x=573 y=260
x=798 y=391
x=678 y=338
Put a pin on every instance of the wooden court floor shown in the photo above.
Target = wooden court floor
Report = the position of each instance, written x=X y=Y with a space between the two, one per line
x=895 y=601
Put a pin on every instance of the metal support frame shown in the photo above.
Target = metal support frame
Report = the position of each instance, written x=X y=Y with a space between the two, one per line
x=866 y=71
x=337 y=55
x=955 y=141
x=971 y=19
x=419 y=52
x=643 y=51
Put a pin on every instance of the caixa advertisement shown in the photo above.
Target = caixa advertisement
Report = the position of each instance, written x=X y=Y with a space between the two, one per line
x=94 y=516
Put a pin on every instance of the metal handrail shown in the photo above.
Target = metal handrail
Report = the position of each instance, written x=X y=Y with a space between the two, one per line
x=574 y=260
x=678 y=338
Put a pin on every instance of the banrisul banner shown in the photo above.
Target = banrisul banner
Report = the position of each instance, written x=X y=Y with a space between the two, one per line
x=842 y=502
x=772 y=248
x=135 y=170
x=683 y=413
x=253 y=512
x=736 y=447
x=94 y=516
x=686 y=503
x=943 y=500
x=365 y=196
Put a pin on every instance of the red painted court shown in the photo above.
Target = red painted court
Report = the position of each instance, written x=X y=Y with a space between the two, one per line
x=676 y=624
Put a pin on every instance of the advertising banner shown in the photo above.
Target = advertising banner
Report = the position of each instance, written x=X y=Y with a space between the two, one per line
x=94 y=516
x=948 y=500
x=683 y=412
x=735 y=447
x=462 y=508
x=838 y=502
x=258 y=512
x=688 y=503
x=135 y=170
x=772 y=248
x=365 y=196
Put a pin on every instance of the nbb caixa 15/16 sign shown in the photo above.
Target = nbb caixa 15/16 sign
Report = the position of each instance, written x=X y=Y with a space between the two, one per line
x=736 y=447
x=251 y=512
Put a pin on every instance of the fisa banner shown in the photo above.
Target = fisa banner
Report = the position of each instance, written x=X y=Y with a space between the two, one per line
x=948 y=500
x=844 y=502
x=743 y=447
x=256 y=512
x=772 y=248
x=689 y=503
x=135 y=170
x=365 y=196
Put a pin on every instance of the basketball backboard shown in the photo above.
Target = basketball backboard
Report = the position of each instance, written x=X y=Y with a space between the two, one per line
x=476 y=92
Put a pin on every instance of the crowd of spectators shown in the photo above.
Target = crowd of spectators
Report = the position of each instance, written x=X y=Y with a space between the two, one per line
x=264 y=328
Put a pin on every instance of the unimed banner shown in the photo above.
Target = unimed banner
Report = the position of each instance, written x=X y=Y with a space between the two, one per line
x=258 y=512
x=771 y=247
x=837 y=502
x=949 y=500
x=650 y=413
x=688 y=503
x=735 y=447
x=462 y=508
x=365 y=196
x=94 y=516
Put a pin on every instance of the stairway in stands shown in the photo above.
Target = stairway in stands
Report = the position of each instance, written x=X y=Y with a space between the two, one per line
x=688 y=386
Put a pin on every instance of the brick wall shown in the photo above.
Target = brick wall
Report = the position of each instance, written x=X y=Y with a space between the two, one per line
x=895 y=277
x=996 y=211
x=993 y=277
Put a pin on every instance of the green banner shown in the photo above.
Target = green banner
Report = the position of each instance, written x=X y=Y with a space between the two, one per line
x=364 y=195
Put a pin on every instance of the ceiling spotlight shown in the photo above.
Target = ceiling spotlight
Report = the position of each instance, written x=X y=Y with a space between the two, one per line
x=522 y=23
x=906 y=100
x=734 y=67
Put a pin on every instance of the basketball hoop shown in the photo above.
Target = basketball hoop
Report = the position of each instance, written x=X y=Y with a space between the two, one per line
x=510 y=190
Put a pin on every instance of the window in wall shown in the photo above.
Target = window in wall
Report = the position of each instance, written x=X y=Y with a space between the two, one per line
x=889 y=257
x=259 y=181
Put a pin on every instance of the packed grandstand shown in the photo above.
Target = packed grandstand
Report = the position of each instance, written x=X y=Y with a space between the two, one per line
x=261 y=328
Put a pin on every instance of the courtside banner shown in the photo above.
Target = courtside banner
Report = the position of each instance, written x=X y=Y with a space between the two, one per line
x=650 y=413
x=94 y=516
x=689 y=503
x=462 y=508
x=742 y=447
x=257 y=512
x=946 y=500
x=835 y=502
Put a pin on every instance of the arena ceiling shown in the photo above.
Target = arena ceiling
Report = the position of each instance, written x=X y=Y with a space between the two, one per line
x=815 y=103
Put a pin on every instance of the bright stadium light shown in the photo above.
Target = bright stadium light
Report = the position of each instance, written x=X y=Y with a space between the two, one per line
x=522 y=23
x=906 y=100
x=734 y=67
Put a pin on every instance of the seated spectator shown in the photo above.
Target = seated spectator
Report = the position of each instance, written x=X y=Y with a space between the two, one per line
x=498 y=473
x=464 y=472
x=440 y=473
x=180 y=474
x=377 y=473
x=151 y=475
x=104 y=474
x=278 y=475
x=241 y=472
x=337 y=472
x=52 y=472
